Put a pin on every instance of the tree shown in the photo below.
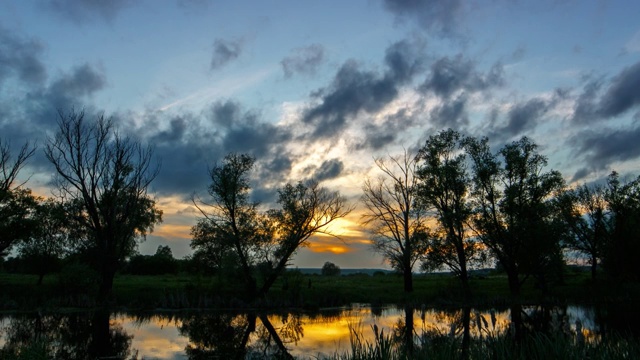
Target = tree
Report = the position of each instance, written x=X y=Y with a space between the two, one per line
x=588 y=221
x=49 y=242
x=16 y=203
x=392 y=217
x=262 y=240
x=620 y=254
x=513 y=214
x=106 y=175
x=444 y=186
x=330 y=269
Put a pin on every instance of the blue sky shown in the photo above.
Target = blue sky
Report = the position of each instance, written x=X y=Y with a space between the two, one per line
x=318 y=89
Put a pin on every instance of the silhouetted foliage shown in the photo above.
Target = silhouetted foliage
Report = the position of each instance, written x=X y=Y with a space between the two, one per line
x=584 y=211
x=444 y=187
x=513 y=213
x=17 y=204
x=106 y=176
x=623 y=200
x=330 y=269
x=397 y=224
x=262 y=241
x=162 y=262
x=49 y=242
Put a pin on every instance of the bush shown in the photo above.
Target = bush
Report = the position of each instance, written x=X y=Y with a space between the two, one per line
x=330 y=269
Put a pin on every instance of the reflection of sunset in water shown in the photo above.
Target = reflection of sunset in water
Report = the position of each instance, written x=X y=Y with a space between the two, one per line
x=323 y=334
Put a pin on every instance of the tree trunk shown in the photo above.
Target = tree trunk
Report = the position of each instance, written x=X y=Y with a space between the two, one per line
x=106 y=284
x=40 y=277
x=408 y=279
x=514 y=283
x=594 y=267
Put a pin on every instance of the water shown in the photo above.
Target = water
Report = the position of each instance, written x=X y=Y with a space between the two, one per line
x=191 y=335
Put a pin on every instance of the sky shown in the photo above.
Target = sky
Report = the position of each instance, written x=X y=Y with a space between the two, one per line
x=318 y=89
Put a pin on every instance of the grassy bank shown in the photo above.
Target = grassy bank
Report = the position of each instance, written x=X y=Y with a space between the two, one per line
x=20 y=292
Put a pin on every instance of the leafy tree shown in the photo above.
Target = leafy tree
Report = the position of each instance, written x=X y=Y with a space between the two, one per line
x=588 y=221
x=265 y=240
x=49 y=242
x=392 y=217
x=106 y=176
x=513 y=214
x=162 y=262
x=16 y=203
x=330 y=269
x=444 y=187
x=620 y=255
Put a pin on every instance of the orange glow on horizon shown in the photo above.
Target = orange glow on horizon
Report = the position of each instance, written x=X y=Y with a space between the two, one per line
x=332 y=248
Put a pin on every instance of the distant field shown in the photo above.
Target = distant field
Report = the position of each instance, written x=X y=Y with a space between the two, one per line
x=301 y=289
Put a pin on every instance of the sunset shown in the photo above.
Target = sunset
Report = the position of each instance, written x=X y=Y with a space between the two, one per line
x=237 y=148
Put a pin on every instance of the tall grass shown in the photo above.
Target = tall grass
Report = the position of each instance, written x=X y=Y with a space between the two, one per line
x=534 y=346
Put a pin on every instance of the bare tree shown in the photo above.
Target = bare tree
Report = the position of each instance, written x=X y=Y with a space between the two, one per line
x=10 y=166
x=398 y=226
x=108 y=176
x=17 y=204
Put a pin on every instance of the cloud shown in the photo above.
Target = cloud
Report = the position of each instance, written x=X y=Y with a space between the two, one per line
x=450 y=75
x=188 y=144
x=21 y=58
x=86 y=11
x=442 y=17
x=603 y=147
x=303 y=60
x=328 y=170
x=224 y=51
x=450 y=114
x=620 y=96
x=355 y=90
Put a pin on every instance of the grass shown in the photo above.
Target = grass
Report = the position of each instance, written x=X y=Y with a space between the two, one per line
x=295 y=290
x=534 y=346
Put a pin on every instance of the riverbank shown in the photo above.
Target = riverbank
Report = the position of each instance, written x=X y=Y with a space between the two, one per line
x=297 y=290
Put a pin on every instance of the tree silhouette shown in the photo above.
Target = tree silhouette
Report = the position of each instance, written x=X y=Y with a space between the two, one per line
x=261 y=240
x=392 y=217
x=17 y=204
x=513 y=214
x=588 y=221
x=107 y=176
x=444 y=186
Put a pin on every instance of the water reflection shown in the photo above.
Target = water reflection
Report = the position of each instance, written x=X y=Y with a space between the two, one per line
x=206 y=335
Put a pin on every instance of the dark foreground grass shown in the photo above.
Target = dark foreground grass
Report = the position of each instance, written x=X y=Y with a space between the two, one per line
x=295 y=290
x=534 y=346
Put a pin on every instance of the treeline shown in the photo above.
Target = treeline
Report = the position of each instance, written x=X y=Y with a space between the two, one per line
x=455 y=204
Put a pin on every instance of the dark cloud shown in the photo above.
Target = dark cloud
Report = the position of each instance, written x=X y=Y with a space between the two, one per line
x=440 y=16
x=329 y=169
x=21 y=58
x=620 y=96
x=225 y=51
x=603 y=147
x=87 y=11
x=189 y=144
x=377 y=136
x=450 y=114
x=303 y=60
x=354 y=90
x=623 y=93
x=585 y=109
x=524 y=116
x=449 y=75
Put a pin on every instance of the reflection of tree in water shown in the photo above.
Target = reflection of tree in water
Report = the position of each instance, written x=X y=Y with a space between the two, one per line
x=66 y=337
x=233 y=336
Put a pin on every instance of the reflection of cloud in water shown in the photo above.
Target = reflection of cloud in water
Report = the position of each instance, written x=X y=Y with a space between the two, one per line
x=157 y=338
